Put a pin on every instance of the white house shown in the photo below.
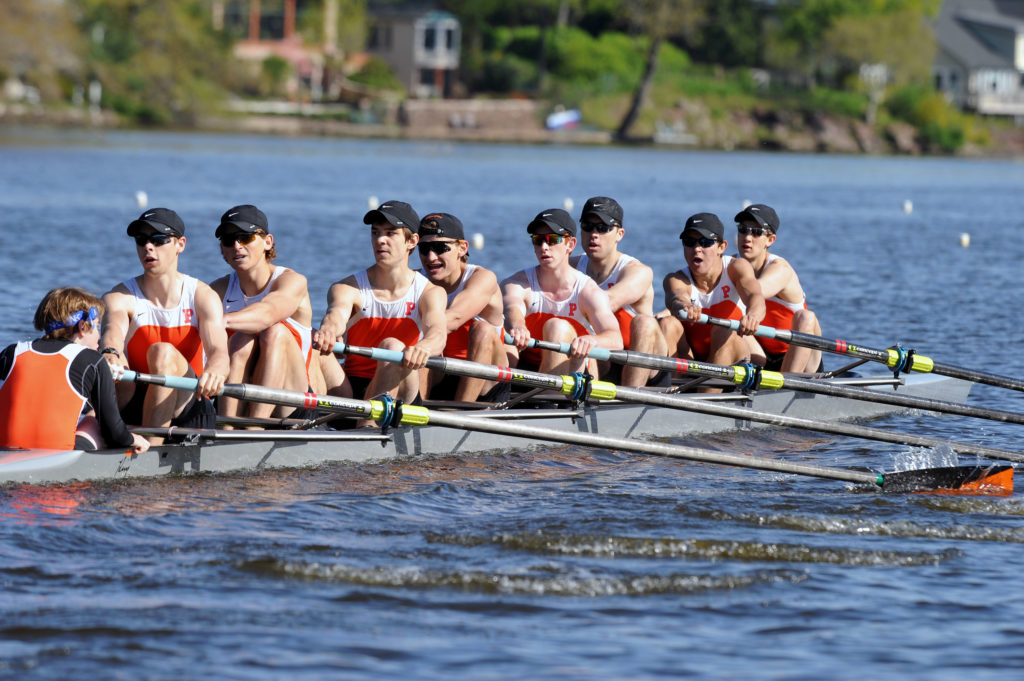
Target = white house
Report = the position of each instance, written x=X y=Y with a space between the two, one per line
x=421 y=45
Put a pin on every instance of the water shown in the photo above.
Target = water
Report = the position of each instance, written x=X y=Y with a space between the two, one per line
x=564 y=563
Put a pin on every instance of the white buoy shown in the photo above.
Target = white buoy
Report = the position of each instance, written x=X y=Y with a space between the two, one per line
x=908 y=206
x=746 y=204
x=141 y=199
x=965 y=239
x=373 y=202
x=477 y=241
x=567 y=204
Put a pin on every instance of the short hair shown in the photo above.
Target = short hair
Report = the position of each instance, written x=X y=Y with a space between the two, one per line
x=61 y=309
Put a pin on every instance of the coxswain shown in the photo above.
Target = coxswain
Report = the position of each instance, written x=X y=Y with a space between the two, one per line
x=56 y=392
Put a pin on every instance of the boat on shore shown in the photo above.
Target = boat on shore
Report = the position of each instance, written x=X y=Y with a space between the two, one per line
x=218 y=451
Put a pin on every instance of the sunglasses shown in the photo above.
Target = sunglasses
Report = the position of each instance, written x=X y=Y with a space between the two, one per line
x=435 y=247
x=244 y=238
x=752 y=231
x=598 y=227
x=703 y=242
x=156 y=239
x=549 y=239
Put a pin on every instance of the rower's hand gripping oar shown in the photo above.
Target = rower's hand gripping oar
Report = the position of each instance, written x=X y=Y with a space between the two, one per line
x=897 y=359
x=750 y=377
x=580 y=387
x=936 y=479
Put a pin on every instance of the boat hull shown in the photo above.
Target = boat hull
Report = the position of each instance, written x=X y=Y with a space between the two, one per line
x=298 y=449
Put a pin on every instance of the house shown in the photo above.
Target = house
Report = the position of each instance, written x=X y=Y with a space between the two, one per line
x=420 y=44
x=979 y=63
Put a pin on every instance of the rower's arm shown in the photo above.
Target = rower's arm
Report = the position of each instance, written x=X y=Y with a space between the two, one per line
x=472 y=299
x=343 y=299
x=119 y=308
x=677 y=295
x=515 y=295
x=286 y=294
x=432 y=304
x=210 y=312
x=775 y=277
x=742 y=274
x=634 y=283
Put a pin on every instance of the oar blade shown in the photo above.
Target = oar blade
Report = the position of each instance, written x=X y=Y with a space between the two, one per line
x=991 y=480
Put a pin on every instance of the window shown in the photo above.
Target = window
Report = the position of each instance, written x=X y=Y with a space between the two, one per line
x=429 y=38
x=449 y=39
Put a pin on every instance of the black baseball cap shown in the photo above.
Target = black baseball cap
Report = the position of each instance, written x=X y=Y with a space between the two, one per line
x=397 y=213
x=557 y=219
x=606 y=208
x=706 y=224
x=761 y=214
x=162 y=220
x=244 y=218
x=442 y=224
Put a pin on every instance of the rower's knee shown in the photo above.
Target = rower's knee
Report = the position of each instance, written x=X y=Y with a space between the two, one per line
x=164 y=358
x=558 y=330
x=392 y=344
x=806 y=321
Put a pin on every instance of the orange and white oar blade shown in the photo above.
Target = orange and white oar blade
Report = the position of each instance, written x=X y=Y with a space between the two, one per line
x=995 y=480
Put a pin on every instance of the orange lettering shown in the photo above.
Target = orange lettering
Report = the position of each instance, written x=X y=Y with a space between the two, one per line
x=725 y=291
x=409 y=307
x=189 y=313
x=572 y=309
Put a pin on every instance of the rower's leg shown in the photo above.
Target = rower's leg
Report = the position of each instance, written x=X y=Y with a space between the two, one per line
x=280 y=365
x=335 y=381
x=675 y=337
x=727 y=347
x=392 y=377
x=162 y=403
x=241 y=347
x=799 y=359
x=644 y=336
x=485 y=347
x=559 y=331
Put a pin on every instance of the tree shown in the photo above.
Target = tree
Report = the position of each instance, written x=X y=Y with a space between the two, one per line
x=657 y=20
x=40 y=45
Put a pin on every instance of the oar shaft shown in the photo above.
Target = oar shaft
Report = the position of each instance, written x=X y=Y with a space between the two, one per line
x=602 y=390
x=890 y=358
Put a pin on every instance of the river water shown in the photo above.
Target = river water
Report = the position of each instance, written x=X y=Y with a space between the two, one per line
x=564 y=563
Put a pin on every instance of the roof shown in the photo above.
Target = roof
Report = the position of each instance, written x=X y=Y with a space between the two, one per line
x=957 y=30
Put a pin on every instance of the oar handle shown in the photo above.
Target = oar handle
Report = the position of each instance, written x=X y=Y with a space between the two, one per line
x=734 y=324
x=176 y=382
x=600 y=354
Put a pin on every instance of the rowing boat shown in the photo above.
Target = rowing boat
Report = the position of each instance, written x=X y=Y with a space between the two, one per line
x=235 y=450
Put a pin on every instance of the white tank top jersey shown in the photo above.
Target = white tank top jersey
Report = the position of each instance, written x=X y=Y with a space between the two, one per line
x=725 y=290
x=569 y=308
x=235 y=299
x=613 y=277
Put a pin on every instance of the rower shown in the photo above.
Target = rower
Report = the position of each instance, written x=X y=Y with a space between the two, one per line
x=388 y=305
x=714 y=284
x=555 y=302
x=267 y=315
x=475 y=321
x=46 y=383
x=757 y=228
x=628 y=283
x=165 y=322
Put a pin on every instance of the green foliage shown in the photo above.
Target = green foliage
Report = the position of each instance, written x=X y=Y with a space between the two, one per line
x=377 y=74
x=942 y=126
x=842 y=102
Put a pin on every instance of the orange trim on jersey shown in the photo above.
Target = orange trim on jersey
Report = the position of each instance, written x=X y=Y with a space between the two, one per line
x=777 y=316
x=368 y=332
x=185 y=338
x=625 y=320
x=535 y=324
x=457 y=345
x=38 y=407
x=699 y=335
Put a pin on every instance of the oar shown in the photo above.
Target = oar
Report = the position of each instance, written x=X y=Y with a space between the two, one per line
x=774 y=380
x=960 y=478
x=603 y=390
x=895 y=359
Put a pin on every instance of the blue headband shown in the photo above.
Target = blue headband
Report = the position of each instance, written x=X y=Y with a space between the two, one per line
x=72 y=320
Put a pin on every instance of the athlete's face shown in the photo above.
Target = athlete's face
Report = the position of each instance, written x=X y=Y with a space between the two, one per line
x=752 y=240
x=599 y=240
x=551 y=249
x=391 y=244
x=442 y=258
x=242 y=250
x=703 y=254
x=158 y=252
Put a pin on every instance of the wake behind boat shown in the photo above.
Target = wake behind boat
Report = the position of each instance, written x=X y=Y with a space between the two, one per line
x=197 y=451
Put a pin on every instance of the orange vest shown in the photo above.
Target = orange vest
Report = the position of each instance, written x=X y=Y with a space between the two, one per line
x=38 y=406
